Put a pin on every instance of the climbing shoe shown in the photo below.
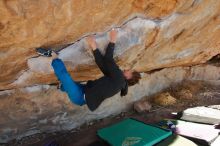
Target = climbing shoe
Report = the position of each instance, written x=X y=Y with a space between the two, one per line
x=44 y=52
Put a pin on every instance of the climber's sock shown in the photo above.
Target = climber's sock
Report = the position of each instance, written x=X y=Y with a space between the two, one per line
x=44 y=52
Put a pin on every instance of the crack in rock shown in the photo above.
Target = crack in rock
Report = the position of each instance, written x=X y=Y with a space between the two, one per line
x=130 y=34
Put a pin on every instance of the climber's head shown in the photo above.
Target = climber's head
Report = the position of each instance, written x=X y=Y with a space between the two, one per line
x=132 y=77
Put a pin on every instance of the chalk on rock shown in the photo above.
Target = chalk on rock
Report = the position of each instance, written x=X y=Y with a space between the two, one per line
x=141 y=106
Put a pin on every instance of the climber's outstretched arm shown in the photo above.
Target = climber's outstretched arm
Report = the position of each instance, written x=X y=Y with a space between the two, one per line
x=97 y=54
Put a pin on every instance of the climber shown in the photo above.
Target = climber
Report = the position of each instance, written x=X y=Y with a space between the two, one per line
x=96 y=91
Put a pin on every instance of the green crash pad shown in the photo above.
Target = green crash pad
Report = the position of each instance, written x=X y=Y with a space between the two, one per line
x=131 y=132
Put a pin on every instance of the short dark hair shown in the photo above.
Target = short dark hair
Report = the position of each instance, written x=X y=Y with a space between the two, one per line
x=136 y=76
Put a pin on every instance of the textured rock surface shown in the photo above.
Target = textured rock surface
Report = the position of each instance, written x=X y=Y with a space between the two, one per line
x=153 y=34
x=46 y=109
x=165 y=99
x=26 y=24
x=168 y=33
x=142 y=106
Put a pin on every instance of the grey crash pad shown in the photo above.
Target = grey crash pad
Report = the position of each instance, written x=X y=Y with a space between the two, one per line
x=176 y=140
x=202 y=115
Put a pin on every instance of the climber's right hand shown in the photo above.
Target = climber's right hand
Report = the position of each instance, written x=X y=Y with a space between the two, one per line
x=91 y=42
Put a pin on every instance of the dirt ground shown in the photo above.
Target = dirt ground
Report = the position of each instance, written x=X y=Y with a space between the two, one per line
x=188 y=94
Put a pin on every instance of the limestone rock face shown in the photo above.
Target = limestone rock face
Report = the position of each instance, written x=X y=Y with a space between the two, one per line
x=152 y=34
x=25 y=25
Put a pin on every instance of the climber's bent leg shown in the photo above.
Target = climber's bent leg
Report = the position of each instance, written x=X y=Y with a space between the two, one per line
x=74 y=90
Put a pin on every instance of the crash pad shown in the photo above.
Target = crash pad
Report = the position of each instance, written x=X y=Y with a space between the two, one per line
x=200 y=132
x=132 y=132
x=201 y=115
x=215 y=106
x=216 y=142
x=176 y=140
